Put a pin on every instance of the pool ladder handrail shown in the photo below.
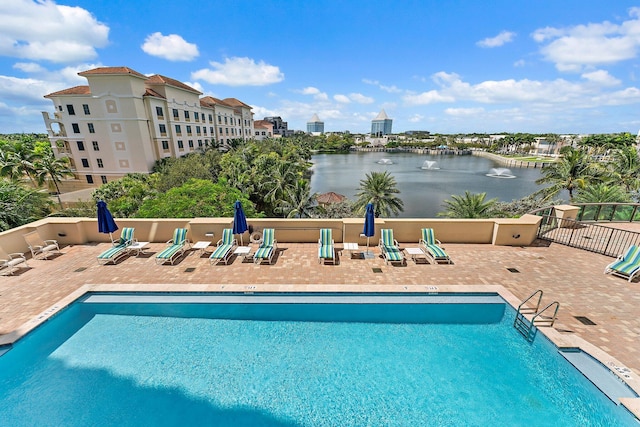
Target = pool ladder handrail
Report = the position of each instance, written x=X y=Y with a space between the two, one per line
x=528 y=328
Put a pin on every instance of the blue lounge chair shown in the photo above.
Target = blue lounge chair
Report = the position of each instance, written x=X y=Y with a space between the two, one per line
x=224 y=247
x=175 y=247
x=326 y=250
x=390 y=248
x=267 y=248
x=626 y=265
x=431 y=247
x=119 y=247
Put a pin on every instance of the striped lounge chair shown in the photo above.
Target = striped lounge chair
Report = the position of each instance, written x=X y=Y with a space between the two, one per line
x=390 y=248
x=326 y=251
x=119 y=247
x=626 y=265
x=224 y=247
x=175 y=247
x=431 y=247
x=267 y=248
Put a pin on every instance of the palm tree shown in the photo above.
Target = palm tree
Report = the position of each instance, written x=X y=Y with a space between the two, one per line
x=471 y=205
x=52 y=170
x=379 y=188
x=573 y=171
x=603 y=193
x=625 y=167
x=18 y=160
x=299 y=202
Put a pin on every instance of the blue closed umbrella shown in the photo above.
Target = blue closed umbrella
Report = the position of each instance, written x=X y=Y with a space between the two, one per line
x=239 y=220
x=369 y=223
x=106 y=224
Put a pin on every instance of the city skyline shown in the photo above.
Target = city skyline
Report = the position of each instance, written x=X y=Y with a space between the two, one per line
x=569 y=67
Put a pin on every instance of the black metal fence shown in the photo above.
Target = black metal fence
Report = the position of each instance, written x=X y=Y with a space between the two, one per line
x=588 y=236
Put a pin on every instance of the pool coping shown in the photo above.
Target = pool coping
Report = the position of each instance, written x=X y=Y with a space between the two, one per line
x=563 y=342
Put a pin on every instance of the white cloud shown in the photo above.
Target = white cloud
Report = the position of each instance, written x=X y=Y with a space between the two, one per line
x=344 y=99
x=416 y=118
x=390 y=89
x=197 y=86
x=240 y=72
x=29 y=67
x=519 y=63
x=601 y=77
x=425 y=98
x=360 y=98
x=499 y=40
x=463 y=112
x=171 y=47
x=573 y=48
x=43 y=30
x=310 y=91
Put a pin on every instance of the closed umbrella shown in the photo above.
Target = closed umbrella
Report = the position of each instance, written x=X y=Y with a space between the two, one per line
x=239 y=220
x=369 y=224
x=106 y=224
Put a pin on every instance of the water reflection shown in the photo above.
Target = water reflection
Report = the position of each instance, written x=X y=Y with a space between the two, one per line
x=500 y=173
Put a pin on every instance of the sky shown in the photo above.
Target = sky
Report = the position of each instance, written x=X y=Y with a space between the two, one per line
x=455 y=66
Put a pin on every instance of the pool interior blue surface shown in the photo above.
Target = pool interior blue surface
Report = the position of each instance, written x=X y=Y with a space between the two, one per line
x=254 y=360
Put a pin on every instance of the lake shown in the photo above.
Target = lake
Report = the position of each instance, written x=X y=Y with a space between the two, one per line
x=423 y=186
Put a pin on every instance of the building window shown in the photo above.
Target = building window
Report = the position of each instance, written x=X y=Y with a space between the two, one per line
x=257 y=133
x=80 y=145
x=197 y=130
x=210 y=118
x=199 y=143
x=178 y=130
x=196 y=116
x=163 y=130
x=226 y=131
x=96 y=146
x=103 y=178
x=100 y=164
x=159 y=112
x=191 y=143
x=165 y=145
x=91 y=128
x=175 y=114
x=220 y=131
x=188 y=130
x=89 y=179
x=85 y=163
x=186 y=115
x=211 y=130
x=76 y=127
x=219 y=119
x=85 y=107
x=59 y=107
x=225 y=121
x=204 y=130
x=180 y=144
x=71 y=110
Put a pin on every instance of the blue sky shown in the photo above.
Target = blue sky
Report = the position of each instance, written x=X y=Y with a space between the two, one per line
x=446 y=67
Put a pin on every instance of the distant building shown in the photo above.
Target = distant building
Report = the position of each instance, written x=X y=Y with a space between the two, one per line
x=279 y=126
x=263 y=129
x=315 y=126
x=124 y=122
x=381 y=125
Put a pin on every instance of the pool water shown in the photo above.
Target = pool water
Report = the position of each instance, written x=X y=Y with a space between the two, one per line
x=237 y=364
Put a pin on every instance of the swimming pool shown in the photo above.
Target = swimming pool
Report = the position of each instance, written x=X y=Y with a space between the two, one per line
x=139 y=359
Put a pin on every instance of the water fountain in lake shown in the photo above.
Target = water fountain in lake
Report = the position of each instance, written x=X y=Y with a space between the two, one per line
x=500 y=173
x=430 y=165
x=385 y=162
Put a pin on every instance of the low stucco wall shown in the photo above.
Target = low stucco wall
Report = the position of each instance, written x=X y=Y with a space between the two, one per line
x=70 y=231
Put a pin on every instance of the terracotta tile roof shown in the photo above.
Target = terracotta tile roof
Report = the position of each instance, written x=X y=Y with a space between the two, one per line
x=158 y=79
x=262 y=124
x=210 y=101
x=112 y=70
x=151 y=92
x=76 y=90
x=235 y=103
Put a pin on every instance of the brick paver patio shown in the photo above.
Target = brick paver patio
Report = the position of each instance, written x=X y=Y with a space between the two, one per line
x=573 y=277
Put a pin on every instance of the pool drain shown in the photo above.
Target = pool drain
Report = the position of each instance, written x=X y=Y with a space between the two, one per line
x=189 y=269
x=377 y=270
x=513 y=270
x=78 y=270
x=585 y=320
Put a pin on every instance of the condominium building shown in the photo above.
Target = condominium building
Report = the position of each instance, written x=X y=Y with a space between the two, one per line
x=315 y=126
x=381 y=125
x=123 y=122
x=280 y=127
x=263 y=129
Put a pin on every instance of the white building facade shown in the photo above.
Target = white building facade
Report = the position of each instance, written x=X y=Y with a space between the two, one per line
x=123 y=122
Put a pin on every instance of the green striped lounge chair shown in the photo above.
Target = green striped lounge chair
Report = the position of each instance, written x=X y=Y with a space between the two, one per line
x=267 y=248
x=626 y=265
x=224 y=248
x=175 y=247
x=119 y=247
x=431 y=247
x=390 y=248
x=326 y=251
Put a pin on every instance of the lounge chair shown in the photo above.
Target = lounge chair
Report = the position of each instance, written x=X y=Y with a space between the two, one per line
x=390 y=248
x=326 y=251
x=224 y=247
x=267 y=248
x=431 y=247
x=10 y=261
x=39 y=247
x=119 y=247
x=626 y=265
x=175 y=247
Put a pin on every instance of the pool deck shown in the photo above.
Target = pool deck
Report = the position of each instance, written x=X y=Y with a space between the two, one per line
x=571 y=276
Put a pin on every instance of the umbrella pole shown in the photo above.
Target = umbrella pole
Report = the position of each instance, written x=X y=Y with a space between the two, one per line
x=367 y=245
